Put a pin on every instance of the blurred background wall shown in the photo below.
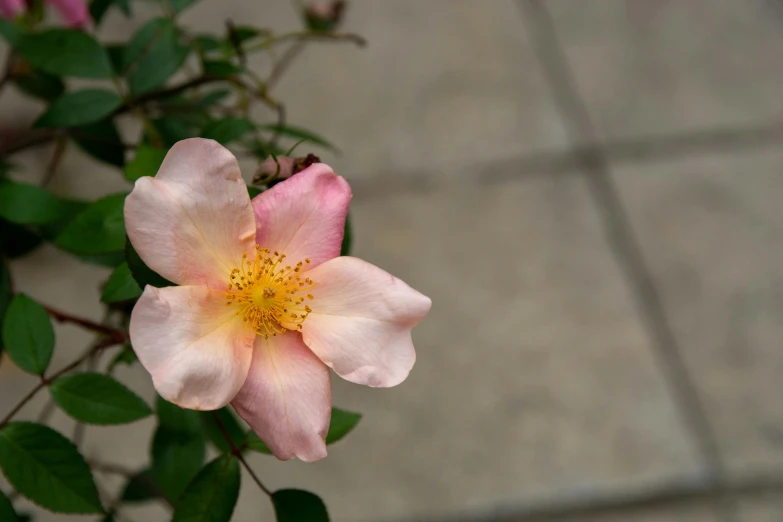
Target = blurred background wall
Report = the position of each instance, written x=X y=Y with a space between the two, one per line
x=590 y=191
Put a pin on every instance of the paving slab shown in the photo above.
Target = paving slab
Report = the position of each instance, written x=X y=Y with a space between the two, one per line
x=711 y=229
x=648 y=69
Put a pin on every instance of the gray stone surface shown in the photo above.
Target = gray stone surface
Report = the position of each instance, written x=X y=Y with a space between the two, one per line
x=687 y=512
x=655 y=68
x=763 y=508
x=711 y=227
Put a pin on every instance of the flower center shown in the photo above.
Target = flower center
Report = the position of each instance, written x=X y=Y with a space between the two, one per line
x=268 y=295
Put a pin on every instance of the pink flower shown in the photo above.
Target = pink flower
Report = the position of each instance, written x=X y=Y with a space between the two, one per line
x=74 y=12
x=266 y=305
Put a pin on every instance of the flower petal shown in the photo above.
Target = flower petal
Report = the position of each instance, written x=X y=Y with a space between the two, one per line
x=304 y=216
x=11 y=8
x=194 y=346
x=287 y=398
x=74 y=12
x=193 y=221
x=361 y=322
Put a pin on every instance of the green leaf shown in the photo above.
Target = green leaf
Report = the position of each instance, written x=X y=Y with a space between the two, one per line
x=341 y=424
x=228 y=129
x=10 y=32
x=47 y=468
x=207 y=42
x=15 y=240
x=143 y=38
x=66 y=52
x=143 y=274
x=212 y=495
x=7 y=512
x=296 y=505
x=121 y=286
x=180 y=5
x=95 y=398
x=211 y=98
x=220 y=68
x=40 y=85
x=230 y=423
x=101 y=141
x=116 y=54
x=5 y=297
x=26 y=204
x=171 y=130
x=298 y=133
x=146 y=162
x=125 y=356
x=79 y=108
x=164 y=57
x=253 y=442
x=253 y=191
x=141 y=487
x=345 y=248
x=99 y=229
x=243 y=33
x=28 y=336
x=99 y=8
x=178 y=448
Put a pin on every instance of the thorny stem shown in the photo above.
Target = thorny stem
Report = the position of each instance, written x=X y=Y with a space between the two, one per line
x=45 y=381
x=237 y=452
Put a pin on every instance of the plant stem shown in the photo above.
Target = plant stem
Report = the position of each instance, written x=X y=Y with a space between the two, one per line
x=118 y=336
x=237 y=452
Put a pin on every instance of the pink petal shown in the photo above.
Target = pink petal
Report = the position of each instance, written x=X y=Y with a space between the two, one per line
x=304 y=216
x=361 y=322
x=287 y=398
x=193 y=221
x=74 y=12
x=11 y=8
x=195 y=347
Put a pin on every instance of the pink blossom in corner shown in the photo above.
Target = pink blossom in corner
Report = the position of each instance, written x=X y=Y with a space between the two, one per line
x=74 y=12
x=265 y=305
x=11 y=8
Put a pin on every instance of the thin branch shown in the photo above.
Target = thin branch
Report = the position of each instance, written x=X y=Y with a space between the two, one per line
x=54 y=163
x=310 y=35
x=237 y=452
x=117 y=336
x=284 y=62
x=46 y=380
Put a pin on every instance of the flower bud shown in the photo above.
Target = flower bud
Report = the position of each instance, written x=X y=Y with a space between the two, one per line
x=323 y=16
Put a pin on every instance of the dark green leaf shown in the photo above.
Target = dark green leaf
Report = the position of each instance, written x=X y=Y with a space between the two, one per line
x=345 y=248
x=5 y=297
x=296 y=505
x=207 y=43
x=141 y=488
x=221 y=68
x=256 y=444
x=341 y=424
x=40 y=84
x=102 y=141
x=121 y=286
x=66 y=52
x=231 y=425
x=146 y=162
x=143 y=38
x=99 y=229
x=178 y=448
x=164 y=57
x=253 y=191
x=229 y=129
x=10 y=32
x=213 y=97
x=79 y=108
x=47 y=468
x=7 y=512
x=16 y=240
x=26 y=204
x=171 y=130
x=98 y=9
x=180 y=5
x=116 y=54
x=69 y=209
x=212 y=495
x=125 y=356
x=298 y=133
x=97 y=399
x=143 y=274
x=28 y=336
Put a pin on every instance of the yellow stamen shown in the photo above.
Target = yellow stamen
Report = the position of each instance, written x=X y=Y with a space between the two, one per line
x=267 y=295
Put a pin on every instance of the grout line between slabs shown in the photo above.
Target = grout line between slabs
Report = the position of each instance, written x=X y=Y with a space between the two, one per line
x=625 y=244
